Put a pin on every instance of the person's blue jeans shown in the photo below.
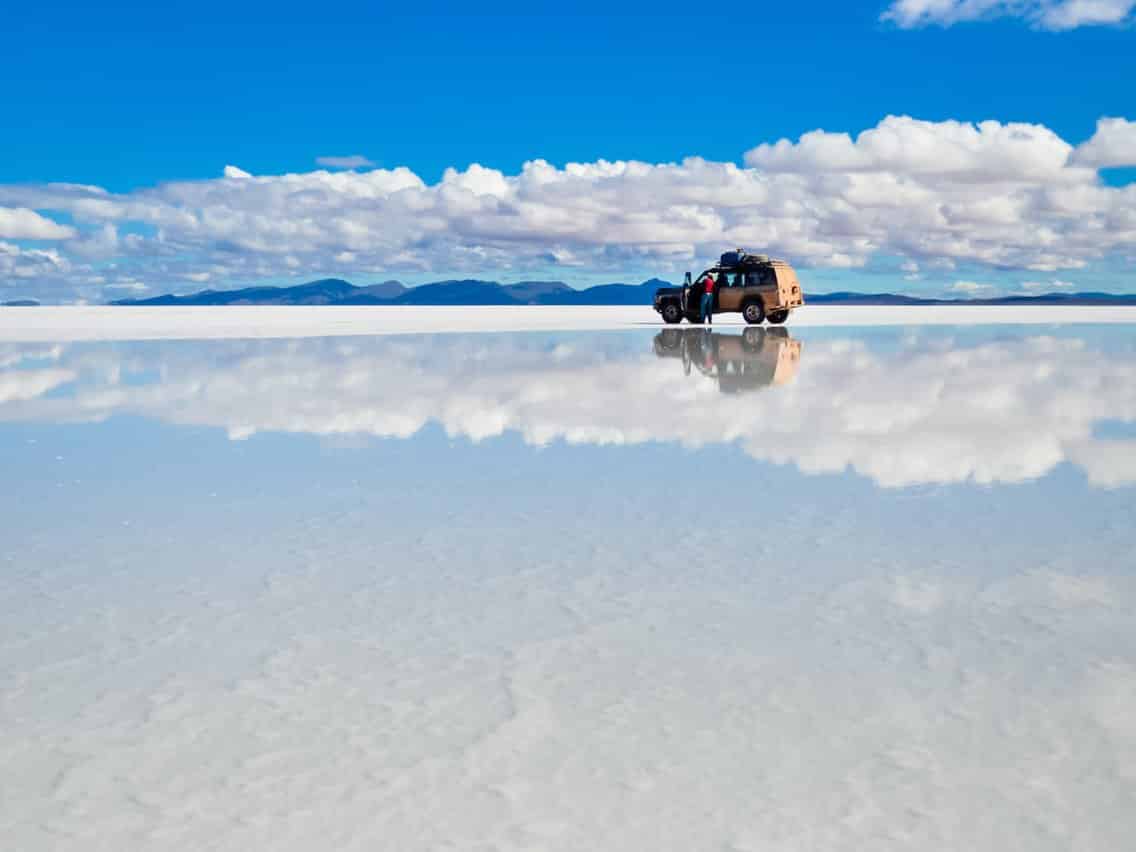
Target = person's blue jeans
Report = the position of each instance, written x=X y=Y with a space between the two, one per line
x=707 y=306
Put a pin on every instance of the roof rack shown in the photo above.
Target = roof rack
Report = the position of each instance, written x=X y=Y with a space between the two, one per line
x=749 y=259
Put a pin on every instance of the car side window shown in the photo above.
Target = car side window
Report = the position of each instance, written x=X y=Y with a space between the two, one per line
x=752 y=279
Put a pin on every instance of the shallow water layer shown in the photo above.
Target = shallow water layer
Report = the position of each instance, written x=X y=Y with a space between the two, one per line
x=833 y=588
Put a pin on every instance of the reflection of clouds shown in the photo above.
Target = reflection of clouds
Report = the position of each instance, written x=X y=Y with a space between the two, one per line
x=29 y=384
x=1106 y=462
x=923 y=412
x=1004 y=411
x=13 y=355
x=28 y=372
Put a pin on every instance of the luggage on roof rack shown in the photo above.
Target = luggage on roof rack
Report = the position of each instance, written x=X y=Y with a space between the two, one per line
x=741 y=258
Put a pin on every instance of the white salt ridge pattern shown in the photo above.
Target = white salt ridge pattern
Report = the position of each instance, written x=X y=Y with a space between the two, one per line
x=70 y=323
x=366 y=679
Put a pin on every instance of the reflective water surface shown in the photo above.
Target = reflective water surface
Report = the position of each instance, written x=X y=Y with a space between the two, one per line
x=678 y=589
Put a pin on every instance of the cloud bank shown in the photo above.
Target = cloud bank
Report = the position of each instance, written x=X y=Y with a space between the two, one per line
x=934 y=194
x=1057 y=15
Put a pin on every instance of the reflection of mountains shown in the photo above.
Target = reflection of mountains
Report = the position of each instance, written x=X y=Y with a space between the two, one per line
x=756 y=358
x=918 y=410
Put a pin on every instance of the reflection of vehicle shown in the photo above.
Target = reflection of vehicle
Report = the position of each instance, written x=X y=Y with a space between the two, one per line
x=748 y=361
x=750 y=284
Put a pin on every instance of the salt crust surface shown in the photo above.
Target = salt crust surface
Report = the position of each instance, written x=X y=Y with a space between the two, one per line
x=449 y=654
x=336 y=683
x=156 y=323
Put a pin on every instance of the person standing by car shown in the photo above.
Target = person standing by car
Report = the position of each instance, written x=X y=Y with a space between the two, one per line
x=708 y=299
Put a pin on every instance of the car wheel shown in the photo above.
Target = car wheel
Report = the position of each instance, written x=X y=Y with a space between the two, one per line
x=753 y=313
x=778 y=317
x=672 y=313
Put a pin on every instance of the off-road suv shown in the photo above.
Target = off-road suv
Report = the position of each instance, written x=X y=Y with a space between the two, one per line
x=754 y=285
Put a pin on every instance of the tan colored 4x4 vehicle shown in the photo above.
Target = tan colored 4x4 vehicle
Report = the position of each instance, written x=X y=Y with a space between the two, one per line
x=754 y=285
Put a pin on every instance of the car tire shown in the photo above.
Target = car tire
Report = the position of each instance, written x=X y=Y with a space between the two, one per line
x=672 y=313
x=753 y=312
x=778 y=317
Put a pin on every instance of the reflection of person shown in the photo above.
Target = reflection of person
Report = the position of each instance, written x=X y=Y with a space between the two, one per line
x=708 y=300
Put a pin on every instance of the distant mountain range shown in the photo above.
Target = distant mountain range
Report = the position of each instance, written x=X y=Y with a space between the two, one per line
x=335 y=291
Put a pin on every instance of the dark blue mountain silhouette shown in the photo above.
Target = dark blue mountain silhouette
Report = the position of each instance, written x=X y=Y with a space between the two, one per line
x=326 y=291
x=466 y=292
x=608 y=294
x=335 y=291
x=537 y=292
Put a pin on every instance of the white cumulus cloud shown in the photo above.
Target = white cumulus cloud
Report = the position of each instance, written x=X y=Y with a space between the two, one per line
x=28 y=264
x=1044 y=14
x=932 y=194
x=1113 y=144
x=972 y=288
x=355 y=161
x=19 y=223
x=1070 y=14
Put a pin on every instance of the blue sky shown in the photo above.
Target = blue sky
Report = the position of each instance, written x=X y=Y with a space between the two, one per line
x=131 y=96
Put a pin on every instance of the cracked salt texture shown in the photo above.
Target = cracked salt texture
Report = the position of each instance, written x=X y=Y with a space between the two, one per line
x=530 y=611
